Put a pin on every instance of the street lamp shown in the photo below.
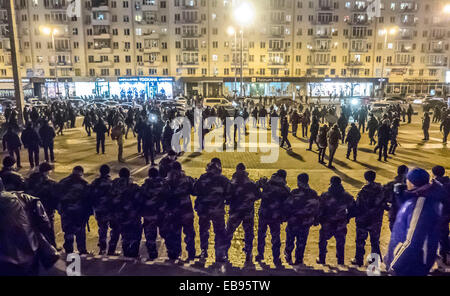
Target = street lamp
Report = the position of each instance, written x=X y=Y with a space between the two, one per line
x=386 y=32
x=52 y=32
x=446 y=9
x=231 y=31
x=243 y=15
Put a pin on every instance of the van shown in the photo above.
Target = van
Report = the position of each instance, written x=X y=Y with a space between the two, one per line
x=212 y=102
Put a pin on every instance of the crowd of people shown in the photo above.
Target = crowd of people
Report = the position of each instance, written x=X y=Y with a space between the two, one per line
x=418 y=213
x=163 y=203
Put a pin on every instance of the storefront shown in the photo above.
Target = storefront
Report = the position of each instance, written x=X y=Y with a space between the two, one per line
x=207 y=87
x=418 y=87
x=144 y=87
x=301 y=86
x=7 y=88
x=48 y=88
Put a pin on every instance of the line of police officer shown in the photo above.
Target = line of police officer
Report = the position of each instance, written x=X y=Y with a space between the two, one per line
x=163 y=203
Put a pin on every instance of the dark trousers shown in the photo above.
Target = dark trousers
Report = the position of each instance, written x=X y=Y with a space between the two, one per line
x=131 y=239
x=48 y=147
x=132 y=129
x=151 y=232
x=284 y=139
x=350 y=148
x=343 y=135
x=383 y=151
x=71 y=231
x=322 y=154
x=299 y=234
x=88 y=130
x=274 y=231
x=409 y=118
x=218 y=222
x=363 y=126
x=33 y=156
x=443 y=237
x=294 y=129
x=445 y=136
x=104 y=225
x=426 y=135
x=247 y=221
x=101 y=142
x=394 y=146
x=173 y=228
x=15 y=153
x=149 y=152
x=304 y=130
x=362 y=232
x=139 y=143
x=327 y=231
x=312 y=140
x=332 y=153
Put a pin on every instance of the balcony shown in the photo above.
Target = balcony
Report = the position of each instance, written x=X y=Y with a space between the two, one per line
x=277 y=49
x=322 y=22
x=359 y=50
x=61 y=64
x=324 y=7
x=321 y=49
x=188 y=63
x=104 y=64
x=437 y=50
x=100 y=6
x=103 y=50
x=405 y=36
x=405 y=49
x=278 y=22
x=408 y=9
x=437 y=37
x=55 y=6
x=322 y=36
x=276 y=64
x=437 y=64
x=359 y=8
x=150 y=49
x=100 y=22
x=191 y=35
x=354 y=64
x=190 y=49
x=408 y=24
x=151 y=35
x=185 y=6
x=188 y=21
x=102 y=36
x=318 y=63
x=397 y=64
x=149 y=7
x=61 y=49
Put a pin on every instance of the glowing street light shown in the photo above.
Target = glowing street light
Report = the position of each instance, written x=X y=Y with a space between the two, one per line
x=231 y=31
x=446 y=9
x=244 y=14
x=52 y=32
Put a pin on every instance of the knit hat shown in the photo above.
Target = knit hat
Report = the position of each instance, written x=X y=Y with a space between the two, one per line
x=418 y=177
x=240 y=167
x=335 y=180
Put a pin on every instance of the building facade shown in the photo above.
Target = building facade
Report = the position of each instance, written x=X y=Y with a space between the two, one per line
x=307 y=47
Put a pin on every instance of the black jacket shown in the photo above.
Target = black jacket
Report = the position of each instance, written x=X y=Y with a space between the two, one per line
x=47 y=134
x=30 y=138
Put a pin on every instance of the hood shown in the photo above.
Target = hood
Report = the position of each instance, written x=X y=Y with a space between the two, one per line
x=336 y=189
x=275 y=179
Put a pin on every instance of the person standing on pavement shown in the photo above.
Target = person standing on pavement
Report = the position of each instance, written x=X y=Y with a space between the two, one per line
x=352 y=140
x=100 y=130
x=305 y=120
x=342 y=124
x=334 y=136
x=322 y=142
x=372 y=126
x=11 y=142
x=426 y=126
x=284 y=133
x=12 y=180
x=47 y=134
x=314 y=131
x=117 y=134
x=148 y=144
x=445 y=128
x=410 y=113
x=31 y=142
x=384 y=134
x=295 y=120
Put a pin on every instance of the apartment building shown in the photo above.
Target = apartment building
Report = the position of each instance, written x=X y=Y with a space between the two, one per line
x=308 y=47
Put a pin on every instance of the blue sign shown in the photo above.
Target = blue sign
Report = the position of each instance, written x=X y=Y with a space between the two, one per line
x=145 y=79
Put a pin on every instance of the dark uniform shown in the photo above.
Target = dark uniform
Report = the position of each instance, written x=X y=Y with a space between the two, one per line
x=301 y=208
x=179 y=213
x=372 y=126
x=336 y=206
x=126 y=213
x=75 y=209
x=370 y=206
x=166 y=163
x=100 y=195
x=11 y=142
x=31 y=141
x=153 y=211
x=212 y=190
x=40 y=186
x=426 y=126
x=244 y=193
x=271 y=214
x=352 y=141
x=384 y=134
x=445 y=128
x=393 y=195
x=47 y=134
x=100 y=129
x=314 y=132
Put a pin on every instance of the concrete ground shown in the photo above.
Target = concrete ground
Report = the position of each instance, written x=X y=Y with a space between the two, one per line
x=76 y=148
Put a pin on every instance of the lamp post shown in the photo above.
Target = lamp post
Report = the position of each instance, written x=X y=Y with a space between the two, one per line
x=385 y=32
x=52 y=32
x=231 y=31
x=243 y=15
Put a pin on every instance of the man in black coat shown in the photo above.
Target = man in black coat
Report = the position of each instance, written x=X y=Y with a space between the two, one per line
x=12 y=180
x=31 y=141
x=148 y=144
x=352 y=141
x=47 y=134
x=100 y=129
x=11 y=142
x=384 y=133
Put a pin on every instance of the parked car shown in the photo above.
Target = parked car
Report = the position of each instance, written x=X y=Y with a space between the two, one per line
x=212 y=102
x=394 y=101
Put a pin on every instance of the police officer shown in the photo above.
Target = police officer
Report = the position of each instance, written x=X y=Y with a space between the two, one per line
x=362 y=117
x=384 y=134
x=352 y=141
x=301 y=209
x=100 y=195
x=47 y=134
x=334 y=136
x=295 y=120
x=75 y=208
x=410 y=113
x=180 y=215
x=336 y=209
x=126 y=210
x=12 y=180
x=212 y=189
x=148 y=144
x=314 y=129
x=271 y=214
x=284 y=133
x=244 y=193
x=11 y=142
x=166 y=163
x=31 y=141
x=152 y=210
x=394 y=193
x=100 y=129
x=87 y=123
x=372 y=126
x=445 y=127
x=394 y=134
x=40 y=185
x=342 y=124
x=370 y=206
x=139 y=129
x=426 y=126
x=444 y=181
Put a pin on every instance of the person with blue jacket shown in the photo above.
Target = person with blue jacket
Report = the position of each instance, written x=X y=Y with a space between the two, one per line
x=415 y=235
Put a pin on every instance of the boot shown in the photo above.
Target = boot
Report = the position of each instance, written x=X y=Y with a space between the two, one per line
x=248 y=257
x=204 y=255
x=288 y=257
x=357 y=262
x=259 y=258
